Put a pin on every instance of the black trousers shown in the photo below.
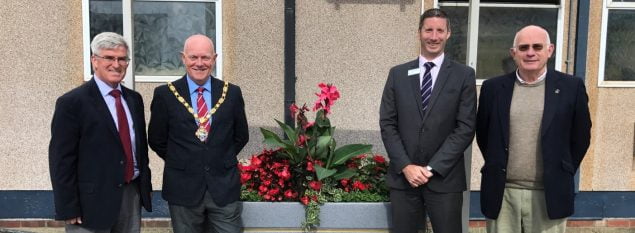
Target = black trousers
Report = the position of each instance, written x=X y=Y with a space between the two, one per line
x=409 y=208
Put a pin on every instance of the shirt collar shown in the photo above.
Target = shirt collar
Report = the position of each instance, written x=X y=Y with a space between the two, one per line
x=437 y=61
x=104 y=88
x=523 y=82
x=193 y=86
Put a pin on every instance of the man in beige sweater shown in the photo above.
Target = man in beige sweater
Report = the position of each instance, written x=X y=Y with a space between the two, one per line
x=533 y=128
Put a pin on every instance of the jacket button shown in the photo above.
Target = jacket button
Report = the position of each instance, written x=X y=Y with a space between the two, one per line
x=120 y=185
x=121 y=162
x=506 y=149
x=504 y=170
x=206 y=168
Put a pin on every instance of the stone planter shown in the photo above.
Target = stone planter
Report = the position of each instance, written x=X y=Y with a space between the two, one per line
x=289 y=215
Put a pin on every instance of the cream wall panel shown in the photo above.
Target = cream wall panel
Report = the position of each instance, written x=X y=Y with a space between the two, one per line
x=42 y=59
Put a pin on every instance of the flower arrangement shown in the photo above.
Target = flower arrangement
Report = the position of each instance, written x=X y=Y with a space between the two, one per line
x=306 y=166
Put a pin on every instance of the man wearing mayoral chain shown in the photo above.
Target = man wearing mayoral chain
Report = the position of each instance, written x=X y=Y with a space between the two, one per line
x=198 y=126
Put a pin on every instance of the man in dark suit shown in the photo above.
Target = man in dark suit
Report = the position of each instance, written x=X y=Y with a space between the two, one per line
x=427 y=119
x=198 y=126
x=533 y=128
x=98 y=155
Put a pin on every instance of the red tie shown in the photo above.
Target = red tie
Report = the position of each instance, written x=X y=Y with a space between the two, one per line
x=124 y=136
x=202 y=107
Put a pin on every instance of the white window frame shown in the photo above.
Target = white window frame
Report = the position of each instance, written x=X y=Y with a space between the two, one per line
x=606 y=6
x=128 y=31
x=475 y=5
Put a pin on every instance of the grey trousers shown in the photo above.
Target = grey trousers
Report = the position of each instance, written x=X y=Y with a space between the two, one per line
x=129 y=220
x=206 y=217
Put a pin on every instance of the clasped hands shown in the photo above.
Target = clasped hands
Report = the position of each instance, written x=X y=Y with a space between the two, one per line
x=416 y=175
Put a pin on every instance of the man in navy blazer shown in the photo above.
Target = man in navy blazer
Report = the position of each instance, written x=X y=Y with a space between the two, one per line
x=98 y=154
x=198 y=126
x=533 y=128
x=427 y=119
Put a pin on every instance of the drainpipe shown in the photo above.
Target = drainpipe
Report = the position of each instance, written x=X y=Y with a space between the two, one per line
x=581 y=42
x=289 y=60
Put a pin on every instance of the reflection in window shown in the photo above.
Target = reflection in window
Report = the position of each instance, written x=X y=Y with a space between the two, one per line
x=105 y=16
x=456 y=47
x=497 y=28
x=161 y=28
x=620 y=46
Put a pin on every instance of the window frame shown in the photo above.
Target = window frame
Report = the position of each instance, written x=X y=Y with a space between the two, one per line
x=608 y=5
x=474 y=10
x=130 y=79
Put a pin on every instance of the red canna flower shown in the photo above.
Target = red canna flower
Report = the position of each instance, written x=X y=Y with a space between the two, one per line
x=301 y=140
x=309 y=166
x=294 y=109
x=315 y=185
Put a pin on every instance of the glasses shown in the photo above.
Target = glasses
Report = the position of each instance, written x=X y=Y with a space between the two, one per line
x=525 y=47
x=121 y=60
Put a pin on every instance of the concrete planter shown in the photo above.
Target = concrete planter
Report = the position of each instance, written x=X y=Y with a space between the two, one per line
x=351 y=215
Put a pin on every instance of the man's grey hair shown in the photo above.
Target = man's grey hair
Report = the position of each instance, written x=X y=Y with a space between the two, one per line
x=108 y=40
x=543 y=29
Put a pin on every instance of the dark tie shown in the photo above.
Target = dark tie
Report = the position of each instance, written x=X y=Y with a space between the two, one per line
x=426 y=85
x=124 y=136
x=202 y=107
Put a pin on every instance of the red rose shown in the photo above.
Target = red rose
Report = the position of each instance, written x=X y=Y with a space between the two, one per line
x=304 y=200
x=255 y=161
x=315 y=185
x=379 y=159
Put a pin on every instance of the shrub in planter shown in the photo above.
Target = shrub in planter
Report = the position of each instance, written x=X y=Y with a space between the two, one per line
x=307 y=166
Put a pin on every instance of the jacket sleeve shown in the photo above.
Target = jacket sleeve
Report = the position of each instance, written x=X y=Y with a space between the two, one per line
x=241 y=129
x=453 y=148
x=158 y=126
x=581 y=130
x=482 y=118
x=63 y=156
x=389 y=125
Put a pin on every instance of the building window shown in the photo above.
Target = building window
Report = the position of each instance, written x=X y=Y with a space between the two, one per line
x=497 y=25
x=617 y=45
x=158 y=29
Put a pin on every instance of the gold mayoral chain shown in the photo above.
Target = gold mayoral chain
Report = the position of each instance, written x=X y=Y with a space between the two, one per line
x=200 y=133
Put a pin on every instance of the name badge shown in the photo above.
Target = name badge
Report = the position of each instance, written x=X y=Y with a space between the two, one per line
x=414 y=71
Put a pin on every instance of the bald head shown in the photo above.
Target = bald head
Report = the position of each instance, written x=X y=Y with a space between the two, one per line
x=531 y=30
x=197 y=41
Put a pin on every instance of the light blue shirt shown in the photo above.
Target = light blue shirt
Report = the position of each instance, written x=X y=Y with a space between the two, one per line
x=207 y=94
x=105 y=90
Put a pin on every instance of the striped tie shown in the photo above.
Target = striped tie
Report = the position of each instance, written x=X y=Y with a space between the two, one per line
x=426 y=85
x=202 y=107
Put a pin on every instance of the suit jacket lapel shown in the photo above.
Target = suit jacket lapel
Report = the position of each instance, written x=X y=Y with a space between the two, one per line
x=415 y=85
x=217 y=90
x=102 y=108
x=552 y=92
x=504 y=103
x=442 y=77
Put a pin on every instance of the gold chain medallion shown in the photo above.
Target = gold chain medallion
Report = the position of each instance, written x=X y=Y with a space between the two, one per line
x=201 y=133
